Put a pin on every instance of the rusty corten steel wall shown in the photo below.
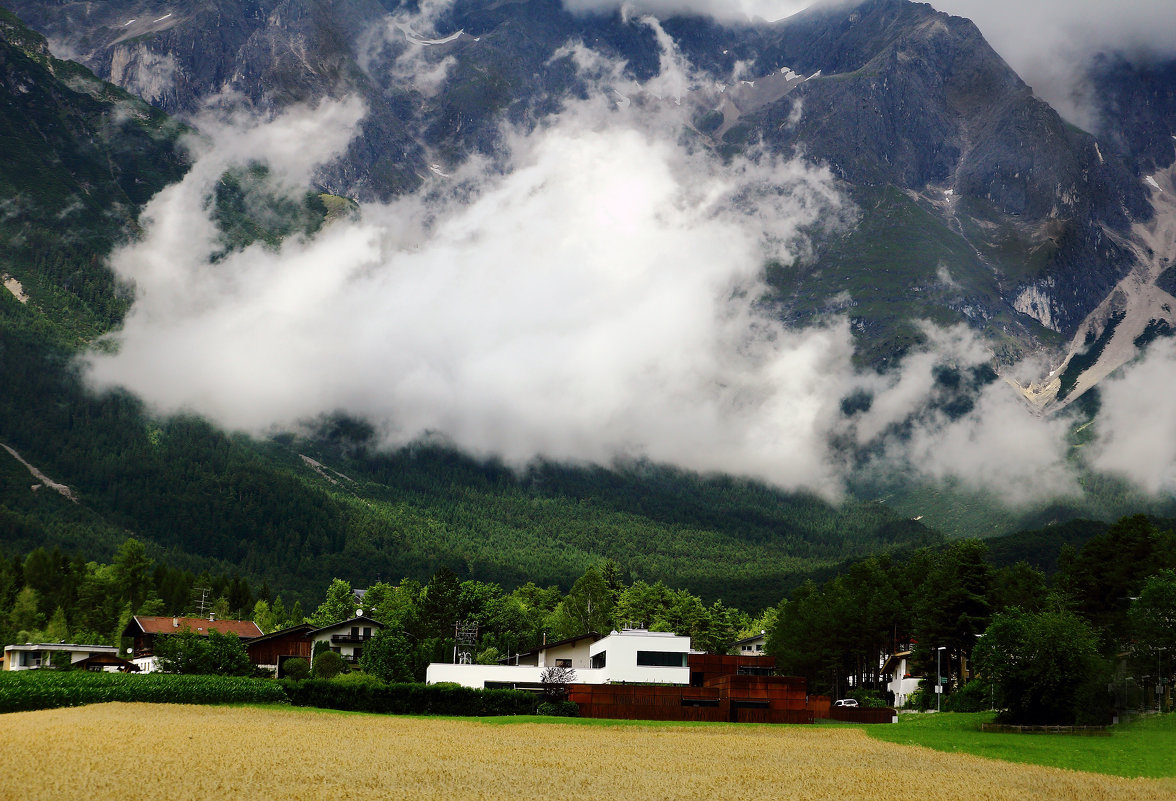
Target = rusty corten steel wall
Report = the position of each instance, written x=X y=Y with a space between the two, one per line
x=777 y=699
x=714 y=666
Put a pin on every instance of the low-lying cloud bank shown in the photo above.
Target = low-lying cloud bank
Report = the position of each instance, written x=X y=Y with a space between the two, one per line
x=592 y=297
x=722 y=10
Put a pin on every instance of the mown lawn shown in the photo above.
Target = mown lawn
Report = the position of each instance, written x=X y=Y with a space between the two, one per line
x=1145 y=747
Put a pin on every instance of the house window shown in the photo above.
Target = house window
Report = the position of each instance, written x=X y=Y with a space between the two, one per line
x=367 y=632
x=598 y=660
x=355 y=631
x=567 y=663
x=661 y=659
x=759 y=647
x=747 y=648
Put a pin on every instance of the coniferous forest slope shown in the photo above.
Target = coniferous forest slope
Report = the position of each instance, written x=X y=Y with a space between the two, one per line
x=947 y=171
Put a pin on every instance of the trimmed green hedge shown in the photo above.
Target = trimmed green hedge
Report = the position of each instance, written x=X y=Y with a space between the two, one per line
x=46 y=689
x=409 y=699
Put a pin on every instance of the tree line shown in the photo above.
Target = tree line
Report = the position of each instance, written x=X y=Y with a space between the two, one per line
x=1043 y=648
x=1011 y=636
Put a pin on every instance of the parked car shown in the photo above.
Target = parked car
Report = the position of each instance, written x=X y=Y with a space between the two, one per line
x=846 y=702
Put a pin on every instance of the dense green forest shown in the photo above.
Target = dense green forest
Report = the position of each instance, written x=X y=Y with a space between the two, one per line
x=1112 y=587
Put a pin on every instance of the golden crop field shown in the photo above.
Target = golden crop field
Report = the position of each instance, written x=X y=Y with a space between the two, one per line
x=144 y=751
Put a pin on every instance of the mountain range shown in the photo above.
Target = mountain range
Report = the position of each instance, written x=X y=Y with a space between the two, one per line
x=964 y=199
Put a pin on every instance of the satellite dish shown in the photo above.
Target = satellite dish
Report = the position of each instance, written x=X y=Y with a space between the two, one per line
x=359 y=613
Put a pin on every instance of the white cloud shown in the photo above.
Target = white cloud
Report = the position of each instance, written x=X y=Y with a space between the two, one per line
x=723 y=10
x=1137 y=424
x=595 y=302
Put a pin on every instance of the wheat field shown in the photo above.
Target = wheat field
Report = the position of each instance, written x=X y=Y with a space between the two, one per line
x=147 y=751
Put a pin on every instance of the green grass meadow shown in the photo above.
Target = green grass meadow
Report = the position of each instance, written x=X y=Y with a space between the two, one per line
x=1145 y=747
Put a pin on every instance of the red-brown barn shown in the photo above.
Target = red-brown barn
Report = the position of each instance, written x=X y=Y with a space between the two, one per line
x=272 y=650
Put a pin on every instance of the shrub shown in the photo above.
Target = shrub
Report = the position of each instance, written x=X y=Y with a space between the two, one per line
x=868 y=698
x=328 y=665
x=408 y=699
x=47 y=689
x=296 y=668
x=189 y=652
x=386 y=655
x=359 y=678
x=972 y=697
x=559 y=709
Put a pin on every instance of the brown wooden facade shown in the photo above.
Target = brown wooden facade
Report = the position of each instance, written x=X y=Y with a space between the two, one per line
x=276 y=648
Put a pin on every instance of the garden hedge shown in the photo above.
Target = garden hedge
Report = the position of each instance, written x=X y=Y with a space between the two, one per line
x=46 y=689
x=409 y=699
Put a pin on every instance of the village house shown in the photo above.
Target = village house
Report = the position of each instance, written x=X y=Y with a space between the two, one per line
x=751 y=646
x=144 y=630
x=347 y=637
x=897 y=675
x=36 y=655
x=632 y=655
x=649 y=675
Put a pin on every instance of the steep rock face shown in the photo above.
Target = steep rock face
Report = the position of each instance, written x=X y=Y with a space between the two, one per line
x=268 y=52
x=916 y=99
x=977 y=202
x=1135 y=106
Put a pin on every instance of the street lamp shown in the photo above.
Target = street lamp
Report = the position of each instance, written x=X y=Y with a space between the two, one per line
x=938 y=678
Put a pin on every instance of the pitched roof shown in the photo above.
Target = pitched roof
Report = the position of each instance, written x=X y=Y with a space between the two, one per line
x=301 y=629
x=105 y=660
x=763 y=635
x=592 y=635
x=149 y=624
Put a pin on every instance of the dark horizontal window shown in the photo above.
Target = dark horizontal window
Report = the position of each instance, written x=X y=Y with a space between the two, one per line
x=661 y=659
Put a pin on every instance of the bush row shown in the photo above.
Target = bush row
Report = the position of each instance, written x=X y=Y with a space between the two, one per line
x=408 y=699
x=46 y=689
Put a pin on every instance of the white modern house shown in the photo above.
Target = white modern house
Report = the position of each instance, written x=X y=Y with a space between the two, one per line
x=35 y=655
x=633 y=655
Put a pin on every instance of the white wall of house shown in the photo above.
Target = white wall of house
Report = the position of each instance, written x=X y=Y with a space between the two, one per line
x=625 y=652
x=900 y=684
x=621 y=653
x=478 y=676
x=576 y=653
x=347 y=638
x=146 y=664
